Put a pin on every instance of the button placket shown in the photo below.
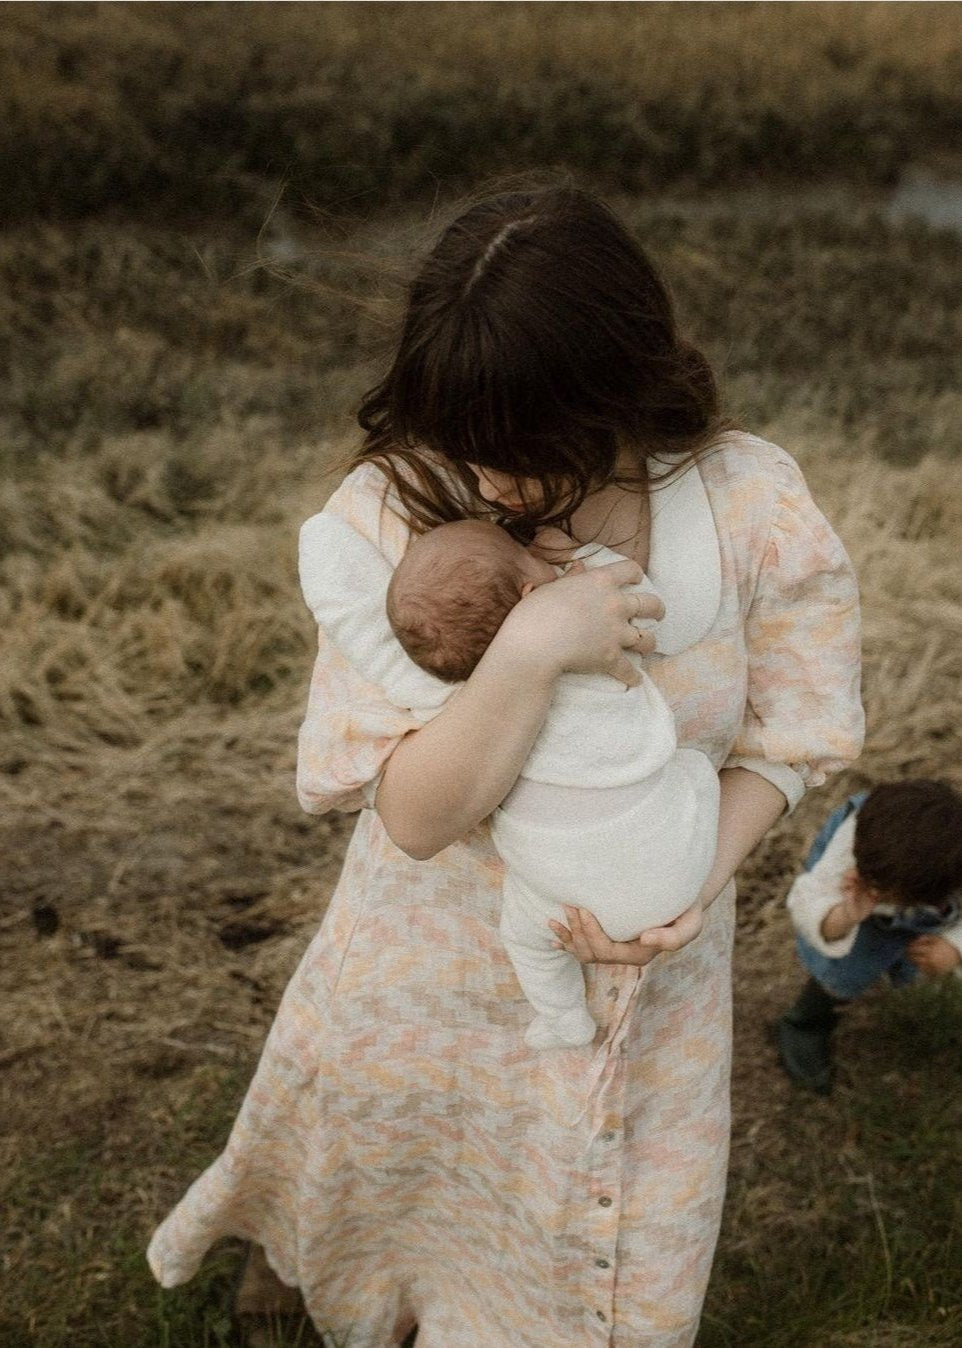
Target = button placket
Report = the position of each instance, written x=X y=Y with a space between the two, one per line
x=604 y=1177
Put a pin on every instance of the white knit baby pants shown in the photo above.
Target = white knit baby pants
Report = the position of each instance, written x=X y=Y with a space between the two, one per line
x=636 y=870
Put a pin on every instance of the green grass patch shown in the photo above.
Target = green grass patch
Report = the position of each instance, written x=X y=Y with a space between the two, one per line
x=77 y=1272
x=862 y=1242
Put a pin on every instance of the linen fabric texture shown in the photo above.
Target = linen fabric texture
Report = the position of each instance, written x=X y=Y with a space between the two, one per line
x=402 y=1155
x=636 y=857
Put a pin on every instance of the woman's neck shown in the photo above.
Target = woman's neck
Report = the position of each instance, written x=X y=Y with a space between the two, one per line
x=617 y=516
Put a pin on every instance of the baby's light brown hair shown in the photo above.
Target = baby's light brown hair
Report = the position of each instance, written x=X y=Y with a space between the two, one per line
x=450 y=593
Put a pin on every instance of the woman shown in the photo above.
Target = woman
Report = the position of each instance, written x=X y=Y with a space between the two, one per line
x=401 y=1156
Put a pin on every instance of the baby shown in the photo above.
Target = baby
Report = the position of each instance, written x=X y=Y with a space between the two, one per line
x=609 y=814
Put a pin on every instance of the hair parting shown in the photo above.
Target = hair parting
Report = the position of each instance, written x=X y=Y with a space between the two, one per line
x=538 y=341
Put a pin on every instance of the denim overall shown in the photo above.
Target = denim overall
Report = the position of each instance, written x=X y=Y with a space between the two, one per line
x=882 y=936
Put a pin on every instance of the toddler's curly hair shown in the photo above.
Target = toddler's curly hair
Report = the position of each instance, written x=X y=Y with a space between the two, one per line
x=908 y=840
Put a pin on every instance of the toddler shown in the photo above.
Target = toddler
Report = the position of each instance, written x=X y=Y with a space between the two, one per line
x=609 y=814
x=879 y=893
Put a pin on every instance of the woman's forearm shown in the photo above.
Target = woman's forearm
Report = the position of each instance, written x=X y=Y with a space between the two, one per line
x=748 y=808
x=443 y=779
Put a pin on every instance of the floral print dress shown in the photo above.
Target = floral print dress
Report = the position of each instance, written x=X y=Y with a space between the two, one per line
x=401 y=1155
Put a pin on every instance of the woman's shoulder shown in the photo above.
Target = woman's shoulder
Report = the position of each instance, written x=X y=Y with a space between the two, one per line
x=761 y=500
x=749 y=478
x=739 y=458
x=366 y=502
x=362 y=490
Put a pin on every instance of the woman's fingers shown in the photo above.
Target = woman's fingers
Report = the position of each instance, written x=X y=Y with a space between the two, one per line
x=581 y=946
x=636 y=639
x=562 y=933
x=678 y=933
x=587 y=941
x=624 y=671
x=595 y=937
x=625 y=572
x=640 y=606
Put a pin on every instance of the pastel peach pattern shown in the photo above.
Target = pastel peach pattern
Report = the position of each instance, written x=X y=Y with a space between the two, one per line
x=401 y=1155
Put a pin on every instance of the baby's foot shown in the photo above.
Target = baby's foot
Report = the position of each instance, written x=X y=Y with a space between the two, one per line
x=570 y=1030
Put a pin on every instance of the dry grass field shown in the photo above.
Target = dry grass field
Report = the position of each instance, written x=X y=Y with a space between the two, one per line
x=176 y=398
x=203 y=107
x=172 y=416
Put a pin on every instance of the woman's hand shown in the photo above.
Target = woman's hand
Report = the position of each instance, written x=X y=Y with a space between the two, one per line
x=582 y=622
x=585 y=939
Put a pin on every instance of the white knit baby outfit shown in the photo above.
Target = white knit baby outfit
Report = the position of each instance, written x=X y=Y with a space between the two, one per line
x=609 y=814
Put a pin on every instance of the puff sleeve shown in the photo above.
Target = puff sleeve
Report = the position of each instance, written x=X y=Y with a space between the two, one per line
x=365 y=695
x=803 y=715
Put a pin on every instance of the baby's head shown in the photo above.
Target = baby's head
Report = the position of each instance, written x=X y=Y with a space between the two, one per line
x=453 y=589
x=908 y=842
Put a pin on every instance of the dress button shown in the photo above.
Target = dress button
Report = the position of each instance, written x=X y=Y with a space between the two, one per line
x=604 y=1201
x=608 y=1137
x=602 y=1263
x=601 y=1315
x=613 y=993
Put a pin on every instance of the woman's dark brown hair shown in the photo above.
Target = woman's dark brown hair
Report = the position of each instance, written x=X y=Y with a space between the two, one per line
x=538 y=341
x=908 y=840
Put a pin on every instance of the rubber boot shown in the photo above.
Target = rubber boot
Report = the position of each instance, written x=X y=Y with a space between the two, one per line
x=804 y=1037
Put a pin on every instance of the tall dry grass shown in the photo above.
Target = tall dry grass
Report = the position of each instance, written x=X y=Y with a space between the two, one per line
x=170 y=418
x=207 y=106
